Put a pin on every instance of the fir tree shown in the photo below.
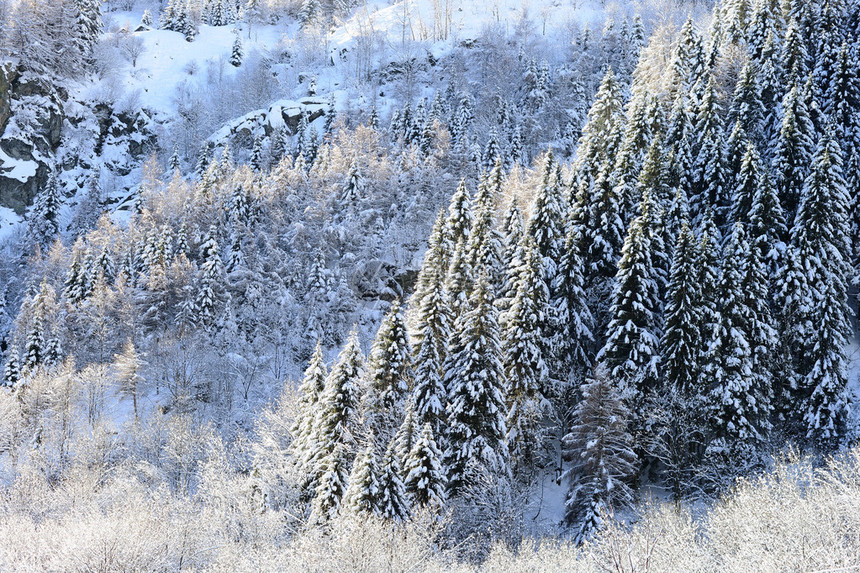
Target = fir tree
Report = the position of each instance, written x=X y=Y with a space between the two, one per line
x=362 y=493
x=425 y=479
x=475 y=379
x=600 y=450
x=390 y=375
x=524 y=358
x=392 y=502
x=681 y=343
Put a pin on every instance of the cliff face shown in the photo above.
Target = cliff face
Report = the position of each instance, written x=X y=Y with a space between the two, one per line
x=5 y=99
x=42 y=128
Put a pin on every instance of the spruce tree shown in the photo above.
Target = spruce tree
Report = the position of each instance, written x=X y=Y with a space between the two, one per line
x=392 y=502
x=681 y=343
x=737 y=413
x=524 y=362
x=631 y=349
x=338 y=424
x=827 y=405
x=425 y=480
x=603 y=128
x=331 y=485
x=474 y=377
x=362 y=493
x=237 y=54
x=12 y=370
x=600 y=450
x=746 y=184
x=390 y=375
x=310 y=392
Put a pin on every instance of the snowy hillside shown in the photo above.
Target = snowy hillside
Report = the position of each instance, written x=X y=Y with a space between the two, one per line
x=429 y=285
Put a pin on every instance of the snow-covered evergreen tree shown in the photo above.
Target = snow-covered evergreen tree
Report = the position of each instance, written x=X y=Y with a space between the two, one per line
x=390 y=375
x=600 y=450
x=362 y=493
x=475 y=380
x=425 y=480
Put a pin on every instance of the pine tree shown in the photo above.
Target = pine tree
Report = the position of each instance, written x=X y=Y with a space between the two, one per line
x=310 y=394
x=12 y=370
x=390 y=375
x=738 y=415
x=600 y=450
x=362 y=493
x=331 y=486
x=475 y=379
x=631 y=349
x=681 y=343
x=523 y=348
x=237 y=55
x=392 y=502
x=425 y=479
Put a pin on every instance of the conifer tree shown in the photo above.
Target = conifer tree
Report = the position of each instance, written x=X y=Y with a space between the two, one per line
x=827 y=406
x=767 y=223
x=793 y=306
x=459 y=222
x=574 y=334
x=337 y=423
x=392 y=502
x=331 y=486
x=738 y=414
x=310 y=393
x=524 y=362
x=746 y=183
x=211 y=291
x=681 y=343
x=75 y=287
x=425 y=480
x=12 y=370
x=237 y=54
x=390 y=375
x=44 y=216
x=603 y=128
x=362 y=493
x=474 y=377
x=600 y=450
x=484 y=247
x=631 y=349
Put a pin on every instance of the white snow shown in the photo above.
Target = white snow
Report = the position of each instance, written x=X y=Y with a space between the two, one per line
x=16 y=169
